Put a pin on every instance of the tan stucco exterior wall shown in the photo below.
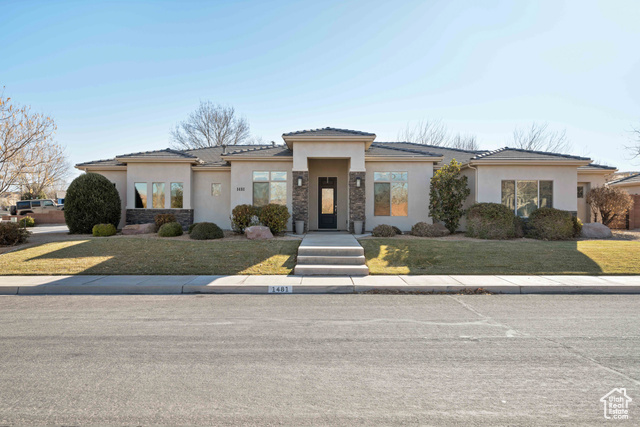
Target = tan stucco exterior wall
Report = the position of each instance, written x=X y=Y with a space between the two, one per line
x=209 y=208
x=564 y=182
x=159 y=172
x=119 y=178
x=631 y=189
x=338 y=168
x=588 y=181
x=419 y=176
x=354 y=151
x=242 y=181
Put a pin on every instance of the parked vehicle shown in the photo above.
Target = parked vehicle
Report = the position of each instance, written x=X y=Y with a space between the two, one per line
x=24 y=207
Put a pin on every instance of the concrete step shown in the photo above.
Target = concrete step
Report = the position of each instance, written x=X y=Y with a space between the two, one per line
x=331 y=270
x=333 y=251
x=331 y=260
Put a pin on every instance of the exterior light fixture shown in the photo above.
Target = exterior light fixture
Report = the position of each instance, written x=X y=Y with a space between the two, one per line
x=299 y=181
x=358 y=182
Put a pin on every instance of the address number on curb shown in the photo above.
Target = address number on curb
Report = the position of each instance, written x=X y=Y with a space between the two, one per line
x=280 y=289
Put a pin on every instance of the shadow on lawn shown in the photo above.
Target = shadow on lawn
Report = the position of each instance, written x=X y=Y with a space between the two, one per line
x=429 y=256
x=164 y=257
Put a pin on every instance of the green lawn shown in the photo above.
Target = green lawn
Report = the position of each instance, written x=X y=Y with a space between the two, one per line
x=396 y=256
x=152 y=256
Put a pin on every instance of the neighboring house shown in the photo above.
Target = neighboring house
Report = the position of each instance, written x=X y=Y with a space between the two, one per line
x=330 y=178
x=630 y=184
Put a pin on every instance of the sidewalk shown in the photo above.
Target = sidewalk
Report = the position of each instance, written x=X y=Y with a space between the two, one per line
x=163 y=285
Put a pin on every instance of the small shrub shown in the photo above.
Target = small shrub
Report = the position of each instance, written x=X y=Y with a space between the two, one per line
x=170 y=229
x=550 y=224
x=610 y=202
x=492 y=221
x=91 y=199
x=12 y=234
x=27 y=221
x=104 y=230
x=577 y=226
x=192 y=226
x=241 y=217
x=423 y=229
x=448 y=192
x=397 y=230
x=275 y=217
x=162 y=219
x=383 y=230
x=206 y=231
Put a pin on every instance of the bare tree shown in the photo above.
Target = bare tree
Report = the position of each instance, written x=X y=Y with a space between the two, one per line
x=538 y=137
x=635 y=148
x=430 y=132
x=47 y=167
x=463 y=142
x=210 y=125
x=21 y=131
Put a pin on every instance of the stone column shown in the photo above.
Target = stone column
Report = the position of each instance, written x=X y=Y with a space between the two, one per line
x=357 y=199
x=300 y=196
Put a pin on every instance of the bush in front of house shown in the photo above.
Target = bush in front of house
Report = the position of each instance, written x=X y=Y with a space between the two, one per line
x=397 y=230
x=91 y=199
x=191 y=227
x=491 y=221
x=610 y=202
x=170 y=229
x=550 y=224
x=162 y=219
x=206 y=231
x=423 y=229
x=241 y=217
x=383 y=230
x=27 y=221
x=104 y=230
x=577 y=226
x=275 y=217
x=448 y=192
x=12 y=234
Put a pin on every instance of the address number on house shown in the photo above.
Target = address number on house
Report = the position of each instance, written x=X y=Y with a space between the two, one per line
x=280 y=289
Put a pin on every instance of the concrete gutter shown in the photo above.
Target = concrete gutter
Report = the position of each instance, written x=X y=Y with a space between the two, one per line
x=170 y=285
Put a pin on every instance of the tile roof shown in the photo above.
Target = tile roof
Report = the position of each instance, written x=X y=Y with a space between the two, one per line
x=212 y=156
x=328 y=131
x=631 y=179
x=263 y=151
x=508 y=153
x=448 y=154
x=166 y=153
x=596 y=167
x=389 y=150
x=105 y=162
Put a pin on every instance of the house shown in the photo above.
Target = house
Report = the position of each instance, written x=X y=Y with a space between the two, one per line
x=331 y=177
x=630 y=184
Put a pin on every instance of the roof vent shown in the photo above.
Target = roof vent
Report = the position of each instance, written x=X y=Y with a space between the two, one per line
x=224 y=148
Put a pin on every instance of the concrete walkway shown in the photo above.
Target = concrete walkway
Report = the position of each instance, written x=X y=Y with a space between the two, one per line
x=330 y=254
x=156 y=285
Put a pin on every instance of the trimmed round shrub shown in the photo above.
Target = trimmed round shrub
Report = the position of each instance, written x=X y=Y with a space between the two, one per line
x=206 y=231
x=397 y=230
x=27 y=221
x=12 y=234
x=423 y=229
x=170 y=229
x=275 y=217
x=383 y=230
x=550 y=224
x=577 y=226
x=162 y=219
x=91 y=199
x=491 y=221
x=104 y=230
x=191 y=227
x=241 y=217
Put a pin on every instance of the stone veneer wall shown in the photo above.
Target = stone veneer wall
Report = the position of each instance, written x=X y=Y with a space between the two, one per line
x=144 y=216
x=300 y=202
x=357 y=199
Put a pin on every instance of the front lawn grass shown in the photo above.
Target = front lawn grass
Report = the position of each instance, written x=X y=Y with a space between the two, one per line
x=395 y=256
x=152 y=256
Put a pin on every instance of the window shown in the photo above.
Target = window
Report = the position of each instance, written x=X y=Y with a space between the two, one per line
x=35 y=204
x=526 y=196
x=141 y=194
x=216 y=189
x=580 y=191
x=269 y=187
x=47 y=203
x=176 y=195
x=23 y=205
x=158 y=195
x=390 y=194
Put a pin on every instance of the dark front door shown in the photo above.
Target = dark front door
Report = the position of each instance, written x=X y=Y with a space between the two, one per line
x=327 y=203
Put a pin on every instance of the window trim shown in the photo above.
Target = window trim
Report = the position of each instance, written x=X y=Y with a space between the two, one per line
x=515 y=192
x=391 y=181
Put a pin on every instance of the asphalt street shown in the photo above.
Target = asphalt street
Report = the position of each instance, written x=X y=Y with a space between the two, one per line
x=300 y=360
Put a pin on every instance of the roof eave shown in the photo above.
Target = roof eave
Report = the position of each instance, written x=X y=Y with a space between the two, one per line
x=367 y=139
x=403 y=159
x=489 y=162
x=102 y=168
x=191 y=160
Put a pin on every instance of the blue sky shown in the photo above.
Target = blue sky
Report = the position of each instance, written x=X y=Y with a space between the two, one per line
x=118 y=75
